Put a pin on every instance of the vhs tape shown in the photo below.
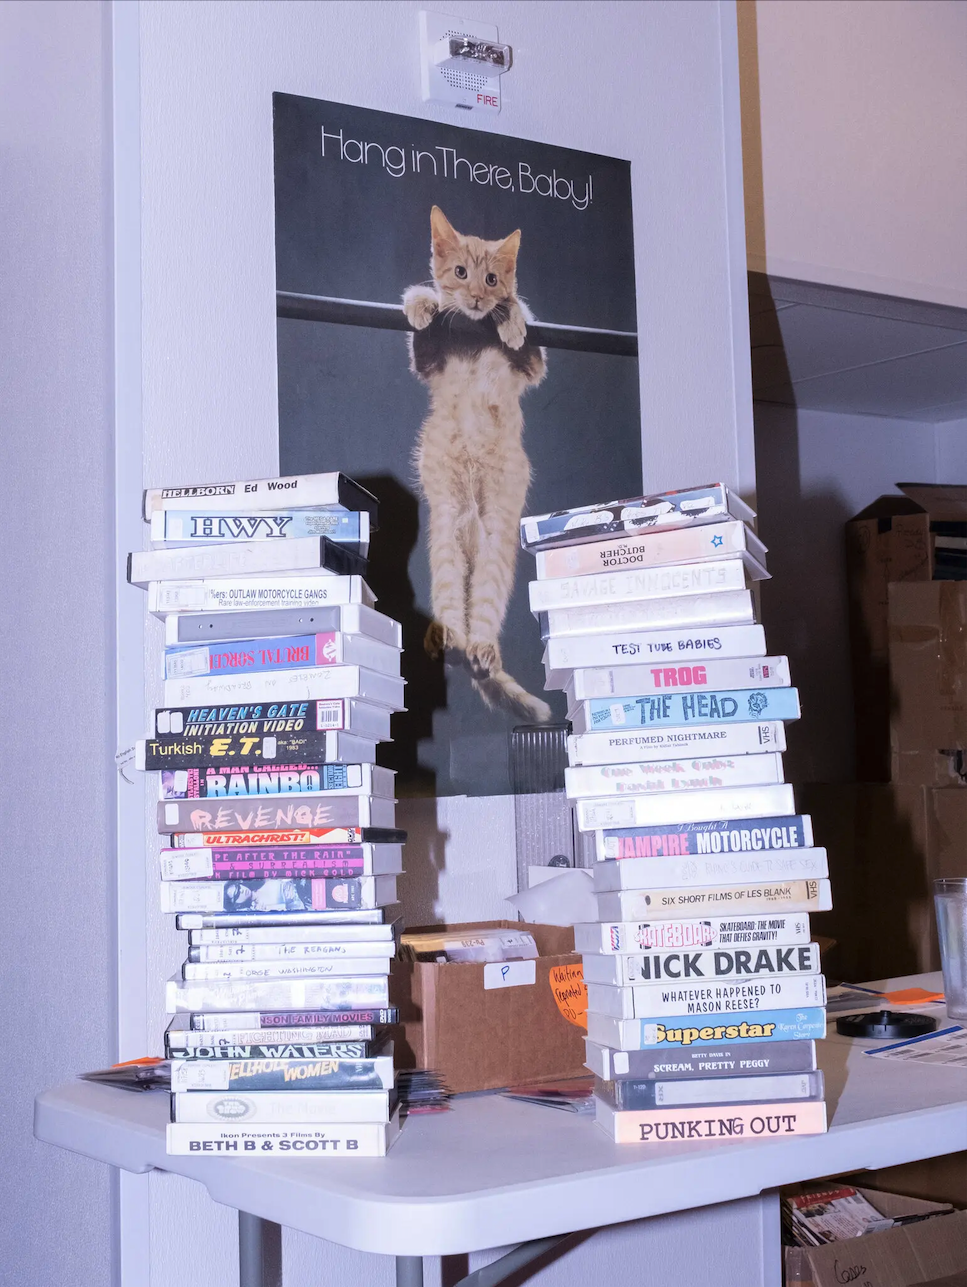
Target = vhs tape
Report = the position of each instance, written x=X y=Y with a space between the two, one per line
x=297 y=491
x=281 y=862
x=741 y=995
x=741 y=1121
x=294 y=813
x=283 y=1073
x=288 y=686
x=723 y=836
x=769 y=866
x=241 y=841
x=626 y=1094
x=283 y=1106
x=288 y=652
x=199 y=525
x=291 y=1043
x=682 y=709
x=651 y=777
x=663 y=904
x=707 y=1031
x=288 y=1139
x=664 y=743
x=340 y=939
x=287 y=949
x=608 y=588
x=283 y=720
x=241 y=593
x=218 y=971
x=626 y=969
x=263 y=896
x=284 y=921
x=348 y=618
x=226 y=782
x=246 y=558
x=223 y=782
x=639 y=648
x=722 y=608
x=342 y=1021
x=676 y=807
x=688 y=507
x=256 y=995
x=654 y=549
x=700 y=1062
x=710 y=931
x=659 y=677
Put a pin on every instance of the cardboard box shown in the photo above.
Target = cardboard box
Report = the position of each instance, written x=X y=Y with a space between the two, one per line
x=887 y=843
x=458 y=1020
x=909 y=1256
x=928 y=675
x=889 y=541
x=940 y=1179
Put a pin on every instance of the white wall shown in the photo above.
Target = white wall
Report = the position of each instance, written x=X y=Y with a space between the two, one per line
x=856 y=143
x=653 y=82
x=816 y=469
x=56 y=423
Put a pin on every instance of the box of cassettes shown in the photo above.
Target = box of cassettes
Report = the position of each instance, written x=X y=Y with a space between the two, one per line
x=483 y=1026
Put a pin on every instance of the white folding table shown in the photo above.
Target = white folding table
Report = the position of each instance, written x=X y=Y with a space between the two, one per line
x=494 y=1172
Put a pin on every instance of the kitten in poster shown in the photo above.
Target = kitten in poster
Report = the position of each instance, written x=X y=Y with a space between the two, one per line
x=469 y=345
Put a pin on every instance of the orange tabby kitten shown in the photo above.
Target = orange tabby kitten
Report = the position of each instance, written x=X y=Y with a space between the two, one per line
x=470 y=347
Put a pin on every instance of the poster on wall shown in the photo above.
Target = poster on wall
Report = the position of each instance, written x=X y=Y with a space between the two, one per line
x=456 y=331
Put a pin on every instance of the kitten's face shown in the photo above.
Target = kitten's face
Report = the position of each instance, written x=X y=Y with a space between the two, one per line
x=472 y=275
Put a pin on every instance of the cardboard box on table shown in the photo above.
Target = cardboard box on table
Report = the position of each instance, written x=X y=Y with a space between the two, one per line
x=927 y=630
x=458 y=1019
x=907 y=1256
x=887 y=843
x=888 y=542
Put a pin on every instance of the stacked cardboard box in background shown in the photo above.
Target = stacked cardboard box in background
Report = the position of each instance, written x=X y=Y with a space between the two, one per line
x=907 y=569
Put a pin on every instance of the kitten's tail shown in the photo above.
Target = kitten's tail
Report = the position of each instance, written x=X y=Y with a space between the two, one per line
x=501 y=689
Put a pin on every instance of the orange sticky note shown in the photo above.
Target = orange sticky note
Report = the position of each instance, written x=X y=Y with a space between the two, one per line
x=570 y=992
x=912 y=996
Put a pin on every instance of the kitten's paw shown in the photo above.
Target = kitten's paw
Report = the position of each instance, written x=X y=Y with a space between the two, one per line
x=484 y=658
x=419 y=308
x=513 y=331
x=440 y=639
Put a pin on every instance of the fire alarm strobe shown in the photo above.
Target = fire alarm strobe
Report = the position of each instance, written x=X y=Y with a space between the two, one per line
x=461 y=62
x=885 y=1025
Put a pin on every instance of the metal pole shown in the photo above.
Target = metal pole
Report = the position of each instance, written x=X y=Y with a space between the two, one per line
x=409 y=1271
x=251 y=1250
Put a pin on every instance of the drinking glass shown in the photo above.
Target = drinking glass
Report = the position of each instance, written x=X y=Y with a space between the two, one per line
x=950 y=898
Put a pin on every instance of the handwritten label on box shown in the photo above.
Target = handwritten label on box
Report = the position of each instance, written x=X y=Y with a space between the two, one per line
x=509 y=974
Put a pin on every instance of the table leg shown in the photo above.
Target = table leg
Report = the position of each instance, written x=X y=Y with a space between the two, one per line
x=409 y=1271
x=258 y=1251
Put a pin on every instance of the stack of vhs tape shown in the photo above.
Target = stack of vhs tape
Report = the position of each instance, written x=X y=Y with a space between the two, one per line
x=705 y=996
x=279 y=849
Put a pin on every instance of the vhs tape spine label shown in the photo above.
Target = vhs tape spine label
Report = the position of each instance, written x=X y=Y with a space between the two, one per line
x=289 y=778
x=723 y=836
x=233 y=594
x=672 y=775
x=657 y=677
x=640 y=649
x=251 y=897
x=275 y=1073
x=642 y=583
x=733 y=1122
x=728 y=608
x=684 y=806
x=197 y=525
x=741 y=996
x=663 y=743
x=681 y=1032
x=713 y=931
x=770 y=866
x=788 y=896
x=720 y=963
x=652 y=549
x=682 y=709
x=263 y=814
